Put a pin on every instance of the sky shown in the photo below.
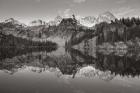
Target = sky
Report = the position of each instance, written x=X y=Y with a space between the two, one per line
x=28 y=10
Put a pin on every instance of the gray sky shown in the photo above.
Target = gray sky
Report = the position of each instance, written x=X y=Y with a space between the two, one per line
x=27 y=10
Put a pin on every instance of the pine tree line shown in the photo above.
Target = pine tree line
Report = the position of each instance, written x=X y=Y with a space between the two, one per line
x=125 y=29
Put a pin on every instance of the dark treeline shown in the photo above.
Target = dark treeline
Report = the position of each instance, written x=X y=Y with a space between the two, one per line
x=125 y=29
x=11 y=41
x=129 y=22
x=13 y=52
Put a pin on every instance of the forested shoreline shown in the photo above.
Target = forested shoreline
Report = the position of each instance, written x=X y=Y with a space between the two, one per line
x=8 y=41
x=122 y=33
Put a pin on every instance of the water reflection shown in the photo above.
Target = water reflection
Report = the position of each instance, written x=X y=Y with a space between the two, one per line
x=124 y=65
x=72 y=67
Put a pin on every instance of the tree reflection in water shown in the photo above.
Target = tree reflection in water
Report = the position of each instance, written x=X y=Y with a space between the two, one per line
x=73 y=62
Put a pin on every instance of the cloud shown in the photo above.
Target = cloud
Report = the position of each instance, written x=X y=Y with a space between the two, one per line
x=121 y=1
x=79 y=1
x=38 y=1
x=67 y=13
x=124 y=12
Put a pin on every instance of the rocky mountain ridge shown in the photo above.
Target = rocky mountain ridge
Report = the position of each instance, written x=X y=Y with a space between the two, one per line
x=88 y=21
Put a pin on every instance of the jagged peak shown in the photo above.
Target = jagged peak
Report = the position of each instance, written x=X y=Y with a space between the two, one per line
x=106 y=17
x=89 y=18
x=10 y=20
x=58 y=17
x=56 y=20
x=14 y=22
x=88 y=21
x=38 y=20
x=107 y=14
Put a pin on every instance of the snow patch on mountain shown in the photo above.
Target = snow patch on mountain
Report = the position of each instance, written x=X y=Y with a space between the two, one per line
x=37 y=23
x=14 y=22
x=106 y=17
x=88 y=21
x=91 y=21
x=56 y=21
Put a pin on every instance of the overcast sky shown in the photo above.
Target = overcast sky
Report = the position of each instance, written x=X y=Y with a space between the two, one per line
x=27 y=10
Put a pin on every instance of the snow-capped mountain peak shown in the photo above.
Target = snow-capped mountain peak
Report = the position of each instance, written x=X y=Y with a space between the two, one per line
x=56 y=21
x=14 y=22
x=37 y=23
x=10 y=20
x=89 y=18
x=91 y=21
x=106 y=17
x=88 y=21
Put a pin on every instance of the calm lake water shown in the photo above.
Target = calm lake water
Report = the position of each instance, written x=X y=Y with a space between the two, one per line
x=69 y=71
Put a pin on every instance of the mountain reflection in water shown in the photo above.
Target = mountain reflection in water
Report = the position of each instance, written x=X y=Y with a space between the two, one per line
x=68 y=71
